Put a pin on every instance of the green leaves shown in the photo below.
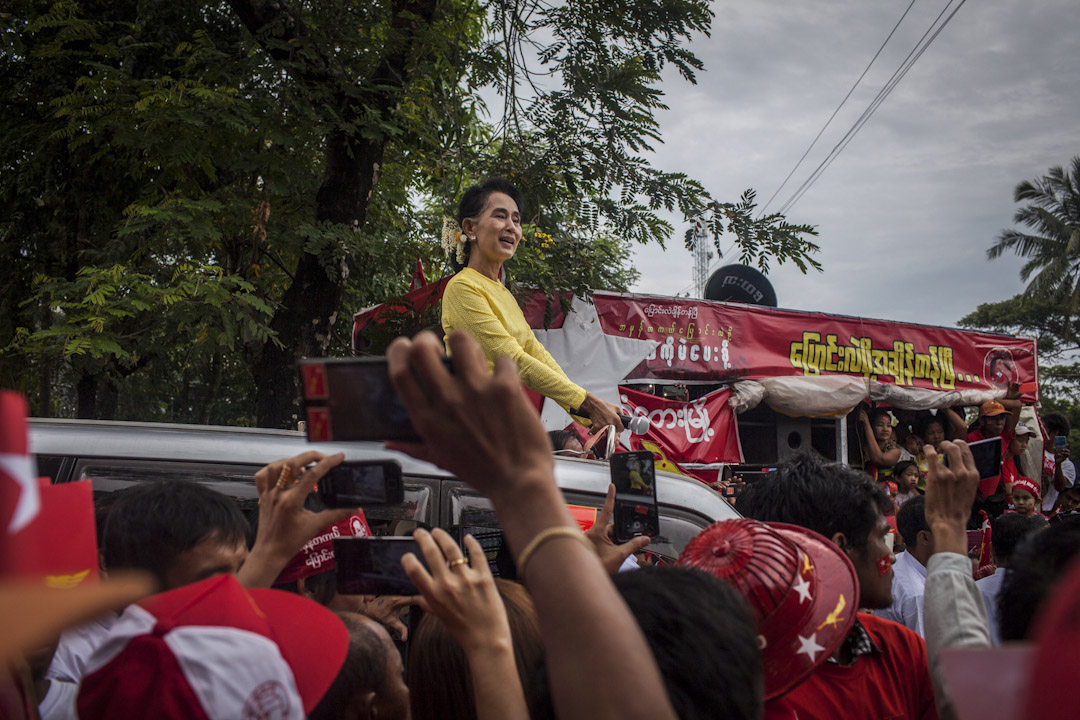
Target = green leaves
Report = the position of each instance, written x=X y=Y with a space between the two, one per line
x=1053 y=248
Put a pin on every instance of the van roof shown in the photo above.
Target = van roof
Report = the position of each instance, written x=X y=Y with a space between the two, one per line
x=259 y=446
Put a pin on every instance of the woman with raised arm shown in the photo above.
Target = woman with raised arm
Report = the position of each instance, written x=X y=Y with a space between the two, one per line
x=476 y=301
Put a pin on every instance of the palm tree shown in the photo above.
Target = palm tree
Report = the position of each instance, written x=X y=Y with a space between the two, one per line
x=1053 y=212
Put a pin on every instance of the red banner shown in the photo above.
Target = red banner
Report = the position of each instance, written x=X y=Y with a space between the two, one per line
x=719 y=342
x=701 y=431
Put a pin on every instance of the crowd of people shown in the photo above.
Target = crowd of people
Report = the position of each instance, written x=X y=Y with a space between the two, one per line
x=892 y=440
x=806 y=607
x=800 y=610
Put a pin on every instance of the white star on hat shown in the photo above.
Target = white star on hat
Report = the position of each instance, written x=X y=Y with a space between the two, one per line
x=803 y=588
x=809 y=646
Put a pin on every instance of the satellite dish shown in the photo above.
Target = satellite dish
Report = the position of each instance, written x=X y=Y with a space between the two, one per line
x=740 y=283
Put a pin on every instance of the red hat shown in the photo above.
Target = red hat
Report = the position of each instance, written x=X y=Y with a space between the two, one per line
x=802 y=588
x=317 y=556
x=1028 y=484
x=991 y=408
x=215 y=650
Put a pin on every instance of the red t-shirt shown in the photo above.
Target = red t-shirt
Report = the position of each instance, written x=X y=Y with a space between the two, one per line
x=893 y=685
x=1006 y=438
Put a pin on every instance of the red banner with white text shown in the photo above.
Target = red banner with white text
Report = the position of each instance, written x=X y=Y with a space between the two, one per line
x=703 y=341
x=700 y=431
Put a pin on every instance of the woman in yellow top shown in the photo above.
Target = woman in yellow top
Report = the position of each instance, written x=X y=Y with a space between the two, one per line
x=476 y=301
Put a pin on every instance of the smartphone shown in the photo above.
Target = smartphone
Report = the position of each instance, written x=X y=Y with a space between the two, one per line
x=360 y=483
x=634 y=477
x=372 y=566
x=1060 y=442
x=497 y=552
x=351 y=399
x=987 y=457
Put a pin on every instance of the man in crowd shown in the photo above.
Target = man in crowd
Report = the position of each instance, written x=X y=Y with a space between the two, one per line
x=1006 y=532
x=179 y=532
x=183 y=532
x=880 y=670
x=370 y=684
x=997 y=418
x=909 y=572
x=1059 y=472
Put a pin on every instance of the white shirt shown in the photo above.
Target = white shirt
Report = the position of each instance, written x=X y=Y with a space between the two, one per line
x=75 y=648
x=990 y=587
x=59 y=701
x=1051 y=495
x=908 y=586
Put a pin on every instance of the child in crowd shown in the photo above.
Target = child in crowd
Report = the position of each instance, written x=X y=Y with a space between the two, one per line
x=907 y=476
x=1026 y=496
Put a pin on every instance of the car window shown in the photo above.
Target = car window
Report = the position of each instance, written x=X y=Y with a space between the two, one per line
x=51 y=466
x=677 y=527
x=237 y=481
x=109 y=476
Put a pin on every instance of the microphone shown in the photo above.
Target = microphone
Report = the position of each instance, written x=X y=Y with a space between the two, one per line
x=638 y=425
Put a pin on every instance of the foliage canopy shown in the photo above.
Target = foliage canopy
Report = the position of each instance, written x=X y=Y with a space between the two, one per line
x=195 y=195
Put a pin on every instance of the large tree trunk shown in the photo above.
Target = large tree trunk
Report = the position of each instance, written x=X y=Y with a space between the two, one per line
x=309 y=308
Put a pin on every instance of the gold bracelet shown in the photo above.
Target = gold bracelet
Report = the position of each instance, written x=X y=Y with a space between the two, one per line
x=542 y=537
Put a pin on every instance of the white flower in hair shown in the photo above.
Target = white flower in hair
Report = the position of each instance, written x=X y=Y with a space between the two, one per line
x=453 y=240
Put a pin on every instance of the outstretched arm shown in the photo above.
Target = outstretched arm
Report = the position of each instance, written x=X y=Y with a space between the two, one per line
x=481 y=427
x=882 y=459
x=1011 y=402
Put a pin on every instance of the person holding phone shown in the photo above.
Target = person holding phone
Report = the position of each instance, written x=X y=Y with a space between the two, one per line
x=476 y=301
x=1059 y=472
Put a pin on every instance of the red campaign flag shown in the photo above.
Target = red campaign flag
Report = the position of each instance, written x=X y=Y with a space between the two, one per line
x=418 y=279
x=59 y=547
x=701 y=431
x=20 y=500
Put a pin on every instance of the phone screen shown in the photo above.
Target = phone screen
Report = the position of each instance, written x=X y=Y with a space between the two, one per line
x=352 y=484
x=987 y=456
x=1060 y=442
x=634 y=478
x=633 y=474
x=372 y=566
x=352 y=399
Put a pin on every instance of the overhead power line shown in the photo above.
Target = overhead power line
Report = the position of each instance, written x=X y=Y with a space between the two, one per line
x=829 y=121
x=893 y=81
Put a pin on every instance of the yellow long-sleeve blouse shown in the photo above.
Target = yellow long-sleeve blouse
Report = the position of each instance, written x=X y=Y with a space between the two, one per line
x=486 y=310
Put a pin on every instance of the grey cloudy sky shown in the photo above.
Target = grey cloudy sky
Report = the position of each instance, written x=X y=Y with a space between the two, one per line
x=907 y=211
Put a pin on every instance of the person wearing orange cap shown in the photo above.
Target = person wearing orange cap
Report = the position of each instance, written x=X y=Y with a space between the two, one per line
x=997 y=418
x=880 y=668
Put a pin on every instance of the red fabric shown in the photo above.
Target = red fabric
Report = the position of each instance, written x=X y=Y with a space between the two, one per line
x=144 y=680
x=729 y=341
x=701 y=431
x=59 y=546
x=317 y=555
x=894 y=685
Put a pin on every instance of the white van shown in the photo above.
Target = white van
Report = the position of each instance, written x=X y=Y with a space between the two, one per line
x=113 y=455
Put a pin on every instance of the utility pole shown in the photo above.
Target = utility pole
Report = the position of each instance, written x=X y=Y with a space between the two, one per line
x=702 y=256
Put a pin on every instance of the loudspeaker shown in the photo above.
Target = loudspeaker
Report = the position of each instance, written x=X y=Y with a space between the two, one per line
x=740 y=283
x=792 y=436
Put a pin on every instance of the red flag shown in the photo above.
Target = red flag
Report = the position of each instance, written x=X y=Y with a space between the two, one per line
x=703 y=431
x=19 y=497
x=59 y=547
x=418 y=277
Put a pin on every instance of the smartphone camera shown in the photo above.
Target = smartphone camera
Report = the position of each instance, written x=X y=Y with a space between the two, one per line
x=357 y=484
x=634 y=477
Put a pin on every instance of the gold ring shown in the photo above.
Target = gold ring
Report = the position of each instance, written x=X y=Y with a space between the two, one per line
x=459 y=561
x=284 y=478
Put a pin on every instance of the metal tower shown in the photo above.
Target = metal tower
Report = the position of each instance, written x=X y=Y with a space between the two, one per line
x=702 y=256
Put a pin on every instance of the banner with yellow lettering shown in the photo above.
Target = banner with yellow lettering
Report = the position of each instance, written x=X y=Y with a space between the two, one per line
x=706 y=341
